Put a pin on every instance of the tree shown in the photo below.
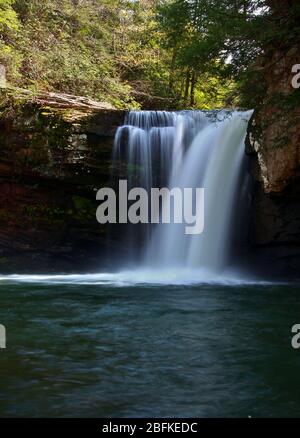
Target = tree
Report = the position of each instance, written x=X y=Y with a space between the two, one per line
x=227 y=38
x=154 y=53
x=9 y=25
x=8 y=17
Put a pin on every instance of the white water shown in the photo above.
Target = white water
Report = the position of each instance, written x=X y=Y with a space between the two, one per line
x=153 y=277
x=188 y=149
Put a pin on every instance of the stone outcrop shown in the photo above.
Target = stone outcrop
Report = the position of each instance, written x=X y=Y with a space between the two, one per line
x=273 y=143
x=274 y=134
x=55 y=154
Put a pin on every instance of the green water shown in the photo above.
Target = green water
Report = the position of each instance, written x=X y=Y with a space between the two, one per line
x=103 y=350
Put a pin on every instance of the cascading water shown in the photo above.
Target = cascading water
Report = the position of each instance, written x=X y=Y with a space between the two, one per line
x=185 y=149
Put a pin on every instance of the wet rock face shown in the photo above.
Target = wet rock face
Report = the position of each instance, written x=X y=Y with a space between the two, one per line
x=274 y=131
x=55 y=155
x=50 y=138
x=274 y=239
x=273 y=143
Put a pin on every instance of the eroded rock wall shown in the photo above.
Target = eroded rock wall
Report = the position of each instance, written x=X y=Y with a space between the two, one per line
x=273 y=143
x=55 y=154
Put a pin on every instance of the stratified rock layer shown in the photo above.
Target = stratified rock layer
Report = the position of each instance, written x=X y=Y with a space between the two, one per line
x=273 y=143
x=55 y=154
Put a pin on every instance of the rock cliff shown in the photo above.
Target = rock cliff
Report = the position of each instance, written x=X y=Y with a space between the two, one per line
x=55 y=155
x=273 y=143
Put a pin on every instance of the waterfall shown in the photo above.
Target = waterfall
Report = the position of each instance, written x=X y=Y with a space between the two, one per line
x=186 y=149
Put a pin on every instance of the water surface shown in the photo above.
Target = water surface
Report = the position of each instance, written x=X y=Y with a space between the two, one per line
x=117 y=349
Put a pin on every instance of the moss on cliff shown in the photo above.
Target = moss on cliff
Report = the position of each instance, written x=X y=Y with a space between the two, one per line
x=55 y=154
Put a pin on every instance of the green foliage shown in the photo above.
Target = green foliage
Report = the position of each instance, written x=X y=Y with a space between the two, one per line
x=9 y=26
x=110 y=50
x=66 y=48
x=150 y=53
x=226 y=39
x=8 y=17
x=84 y=209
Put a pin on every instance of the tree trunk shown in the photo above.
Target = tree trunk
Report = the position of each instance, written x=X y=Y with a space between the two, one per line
x=193 y=85
x=187 y=85
x=172 y=71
